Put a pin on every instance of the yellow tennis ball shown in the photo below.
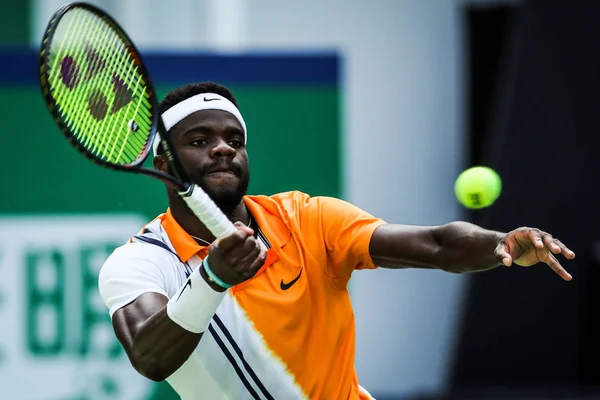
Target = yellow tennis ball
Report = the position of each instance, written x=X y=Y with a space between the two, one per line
x=478 y=187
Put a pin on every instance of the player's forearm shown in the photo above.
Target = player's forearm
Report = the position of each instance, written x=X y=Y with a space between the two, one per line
x=161 y=346
x=465 y=247
x=454 y=247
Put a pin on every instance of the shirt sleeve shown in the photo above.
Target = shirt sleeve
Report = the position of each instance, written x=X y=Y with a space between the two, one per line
x=347 y=232
x=132 y=270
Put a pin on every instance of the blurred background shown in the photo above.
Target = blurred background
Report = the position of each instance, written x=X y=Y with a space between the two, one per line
x=379 y=102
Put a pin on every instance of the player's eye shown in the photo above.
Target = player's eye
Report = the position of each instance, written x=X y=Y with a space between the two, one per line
x=235 y=143
x=198 y=142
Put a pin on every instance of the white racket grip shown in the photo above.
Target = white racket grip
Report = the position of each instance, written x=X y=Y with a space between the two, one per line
x=207 y=211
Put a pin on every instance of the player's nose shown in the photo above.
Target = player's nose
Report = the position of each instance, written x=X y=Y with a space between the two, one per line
x=222 y=149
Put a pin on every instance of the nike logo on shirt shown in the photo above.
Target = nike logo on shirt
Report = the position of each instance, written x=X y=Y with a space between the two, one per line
x=286 y=286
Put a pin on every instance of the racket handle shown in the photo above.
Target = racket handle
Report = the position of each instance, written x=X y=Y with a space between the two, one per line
x=207 y=211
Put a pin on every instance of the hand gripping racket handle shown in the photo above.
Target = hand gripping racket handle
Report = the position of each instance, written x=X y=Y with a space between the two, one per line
x=207 y=211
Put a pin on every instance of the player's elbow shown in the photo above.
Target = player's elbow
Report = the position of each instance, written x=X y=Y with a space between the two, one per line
x=156 y=377
x=156 y=366
x=150 y=367
x=151 y=371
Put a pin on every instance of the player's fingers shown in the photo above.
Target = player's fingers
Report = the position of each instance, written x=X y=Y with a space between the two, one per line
x=234 y=255
x=553 y=263
x=259 y=261
x=232 y=240
x=240 y=226
x=502 y=255
x=550 y=243
x=245 y=267
x=568 y=253
x=536 y=238
x=250 y=245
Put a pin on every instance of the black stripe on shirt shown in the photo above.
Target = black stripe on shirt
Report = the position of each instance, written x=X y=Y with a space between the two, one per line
x=188 y=269
x=238 y=351
x=236 y=367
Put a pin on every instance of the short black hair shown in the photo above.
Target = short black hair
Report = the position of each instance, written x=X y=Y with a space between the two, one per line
x=191 y=89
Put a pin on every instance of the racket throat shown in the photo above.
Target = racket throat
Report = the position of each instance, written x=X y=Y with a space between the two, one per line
x=185 y=191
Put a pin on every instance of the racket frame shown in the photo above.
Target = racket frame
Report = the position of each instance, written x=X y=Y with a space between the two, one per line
x=180 y=181
x=194 y=196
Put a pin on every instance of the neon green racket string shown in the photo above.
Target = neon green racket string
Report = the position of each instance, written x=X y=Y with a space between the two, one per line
x=121 y=140
x=58 y=55
x=75 y=105
x=122 y=61
x=98 y=88
x=64 y=47
x=102 y=31
x=136 y=139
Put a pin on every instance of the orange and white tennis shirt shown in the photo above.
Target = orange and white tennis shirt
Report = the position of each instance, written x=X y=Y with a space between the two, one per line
x=287 y=333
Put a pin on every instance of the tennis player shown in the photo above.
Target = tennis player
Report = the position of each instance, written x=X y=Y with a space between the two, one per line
x=265 y=313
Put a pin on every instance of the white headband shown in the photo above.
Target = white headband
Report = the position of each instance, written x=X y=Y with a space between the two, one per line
x=199 y=102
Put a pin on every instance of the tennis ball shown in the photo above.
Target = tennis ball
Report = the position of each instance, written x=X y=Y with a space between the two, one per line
x=478 y=187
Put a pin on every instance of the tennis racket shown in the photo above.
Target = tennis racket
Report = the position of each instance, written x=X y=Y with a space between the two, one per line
x=102 y=99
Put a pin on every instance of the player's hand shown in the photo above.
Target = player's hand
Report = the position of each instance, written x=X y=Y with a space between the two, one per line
x=237 y=257
x=529 y=246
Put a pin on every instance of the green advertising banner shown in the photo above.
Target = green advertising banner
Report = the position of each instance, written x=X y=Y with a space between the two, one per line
x=61 y=215
x=14 y=29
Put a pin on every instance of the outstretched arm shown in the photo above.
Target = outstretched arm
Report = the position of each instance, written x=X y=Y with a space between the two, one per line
x=464 y=247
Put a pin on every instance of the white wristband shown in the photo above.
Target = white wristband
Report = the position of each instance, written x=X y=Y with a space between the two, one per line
x=193 y=306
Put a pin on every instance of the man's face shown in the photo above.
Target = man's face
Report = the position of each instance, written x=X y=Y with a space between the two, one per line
x=211 y=148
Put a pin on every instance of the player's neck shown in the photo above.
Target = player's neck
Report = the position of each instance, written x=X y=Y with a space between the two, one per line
x=194 y=227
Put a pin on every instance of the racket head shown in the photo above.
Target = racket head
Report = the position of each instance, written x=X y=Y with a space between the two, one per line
x=97 y=88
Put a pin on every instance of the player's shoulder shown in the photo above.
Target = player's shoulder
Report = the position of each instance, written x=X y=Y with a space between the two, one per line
x=138 y=249
x=296 y=204
x=298 y=198
x=279 y=197
x=294 y=197
x=132 y=255
x=290 y=202
x=135 y=261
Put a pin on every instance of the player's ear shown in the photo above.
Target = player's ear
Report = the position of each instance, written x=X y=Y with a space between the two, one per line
x=160 y=163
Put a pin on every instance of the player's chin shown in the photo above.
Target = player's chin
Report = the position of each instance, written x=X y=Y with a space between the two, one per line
x=221 y=185
x=227 y=198
x=222 y=180
x=226 y=184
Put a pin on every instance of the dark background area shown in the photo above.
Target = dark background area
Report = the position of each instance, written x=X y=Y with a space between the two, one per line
x=533 y=113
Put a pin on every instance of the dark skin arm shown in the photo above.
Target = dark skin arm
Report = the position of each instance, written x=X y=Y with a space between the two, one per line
x=157 y=346
x=463 y=247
